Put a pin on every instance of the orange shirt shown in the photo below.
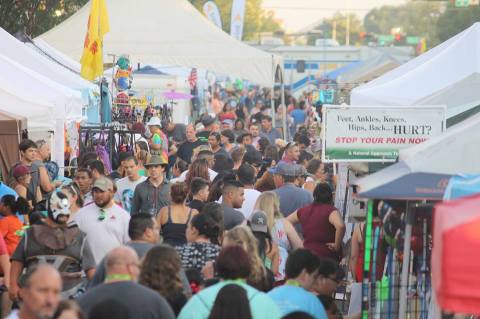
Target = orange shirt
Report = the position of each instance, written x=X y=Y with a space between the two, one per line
x=9 y=226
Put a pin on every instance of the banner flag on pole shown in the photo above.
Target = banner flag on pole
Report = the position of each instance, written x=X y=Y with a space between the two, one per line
x=238 y=14
x=98 y=26
x=210 y=10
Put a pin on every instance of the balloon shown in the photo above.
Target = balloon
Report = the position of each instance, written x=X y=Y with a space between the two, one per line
x=122 y=83
x=123 y=63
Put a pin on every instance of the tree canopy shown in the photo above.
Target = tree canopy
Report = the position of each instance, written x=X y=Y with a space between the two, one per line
x=412 y=19
x=35 y=17
x=455 y=20
x=257 y=19
x=338 y=24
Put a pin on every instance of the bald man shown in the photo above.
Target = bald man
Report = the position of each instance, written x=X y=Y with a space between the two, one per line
x=185 y=150
x=40 y=290
x=122 y=266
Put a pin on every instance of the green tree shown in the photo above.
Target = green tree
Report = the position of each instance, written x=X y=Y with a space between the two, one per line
x=412 y=19
x=256 y=18
x=35 y=17
x=337 y=24
x=455 y=20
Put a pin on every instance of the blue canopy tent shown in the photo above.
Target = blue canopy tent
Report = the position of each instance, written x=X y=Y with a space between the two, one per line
x=401 y=182
x=333 y=75
x=149 y=70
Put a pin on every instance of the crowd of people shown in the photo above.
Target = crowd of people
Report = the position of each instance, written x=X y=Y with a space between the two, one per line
x=222 y=218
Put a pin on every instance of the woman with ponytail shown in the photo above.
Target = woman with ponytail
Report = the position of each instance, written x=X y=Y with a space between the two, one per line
x=202 y=237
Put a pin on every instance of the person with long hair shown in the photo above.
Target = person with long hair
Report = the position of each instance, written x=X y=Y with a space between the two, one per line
x=202 y=236
x=175 y=217
x=142 y=154
x=267 y=249
x=23 y=178
x=233 y=267
x=282 y=231
x=239 y=128
x=243 y=236
x=322 y=225
x=215 y=211
x=160 y=271
x=228 y=112
x=232 y=303
x=72 y=191
x=10 y=225
x=198 y=168
x=316 y=169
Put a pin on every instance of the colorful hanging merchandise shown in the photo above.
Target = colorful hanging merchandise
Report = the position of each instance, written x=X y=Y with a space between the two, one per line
x=123 y=82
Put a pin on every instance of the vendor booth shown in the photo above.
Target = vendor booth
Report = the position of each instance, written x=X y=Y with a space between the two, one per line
x=447 y=73
x=423 y=173
x=11 y=130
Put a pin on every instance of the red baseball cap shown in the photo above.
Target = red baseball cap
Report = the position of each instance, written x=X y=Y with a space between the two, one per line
x=20 y=170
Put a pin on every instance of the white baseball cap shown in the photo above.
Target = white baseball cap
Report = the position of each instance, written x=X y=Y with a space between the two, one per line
x=154 y=120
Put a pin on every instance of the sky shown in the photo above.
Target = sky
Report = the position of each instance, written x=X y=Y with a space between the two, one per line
x=298 y=14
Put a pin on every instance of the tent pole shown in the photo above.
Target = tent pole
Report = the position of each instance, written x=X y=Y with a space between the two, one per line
x=366 y=284
x=402 y=310
x=272 y=101
x=284 y=106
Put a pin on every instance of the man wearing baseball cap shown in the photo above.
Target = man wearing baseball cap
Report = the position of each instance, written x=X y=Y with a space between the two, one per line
x=208 y=123
x=290 y=195
x=104 y=222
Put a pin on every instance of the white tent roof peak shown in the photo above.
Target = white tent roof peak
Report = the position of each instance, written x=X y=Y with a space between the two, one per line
x=170 y=32
x=437 y=69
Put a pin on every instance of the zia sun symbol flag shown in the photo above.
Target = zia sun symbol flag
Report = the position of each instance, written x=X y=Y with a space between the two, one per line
x=97 y=27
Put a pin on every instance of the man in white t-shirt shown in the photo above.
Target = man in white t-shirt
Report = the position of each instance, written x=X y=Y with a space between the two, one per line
x=126 y=186
x=246 y=176
x=104 y=222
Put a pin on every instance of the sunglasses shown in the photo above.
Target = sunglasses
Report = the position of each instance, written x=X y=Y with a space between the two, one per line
x=102 y=215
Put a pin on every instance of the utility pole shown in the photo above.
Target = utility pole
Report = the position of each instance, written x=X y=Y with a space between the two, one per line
x=347 y=31
x=334 y=30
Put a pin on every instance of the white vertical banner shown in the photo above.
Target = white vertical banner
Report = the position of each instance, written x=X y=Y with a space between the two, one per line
x=238 y=14
x=210 y=9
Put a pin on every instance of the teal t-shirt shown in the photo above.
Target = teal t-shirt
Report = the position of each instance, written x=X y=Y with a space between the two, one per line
x=291 y=299
x=200 y=305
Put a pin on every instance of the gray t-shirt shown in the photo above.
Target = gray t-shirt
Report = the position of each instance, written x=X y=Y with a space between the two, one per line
x=292 y=198
x=231 y=217
x=141 y=302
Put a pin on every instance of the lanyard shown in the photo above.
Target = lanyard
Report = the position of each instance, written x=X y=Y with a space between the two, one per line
x=236 y=281
x=292 y=282
x=118 y=277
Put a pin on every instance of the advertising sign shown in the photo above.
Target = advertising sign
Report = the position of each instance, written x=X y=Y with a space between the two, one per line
x=377 y=133
x=210 y=9
x=238 y=14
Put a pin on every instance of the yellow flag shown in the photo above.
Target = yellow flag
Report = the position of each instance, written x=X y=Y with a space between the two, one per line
x=98 y=26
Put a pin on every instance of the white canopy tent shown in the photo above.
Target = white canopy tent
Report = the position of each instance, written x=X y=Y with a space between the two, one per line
x=450 y=153
x=453 y=152
x=39 y=44
x=39 y=63
x=45 y=103
x=446 y=73
x=38 y=111
x=169 y=32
